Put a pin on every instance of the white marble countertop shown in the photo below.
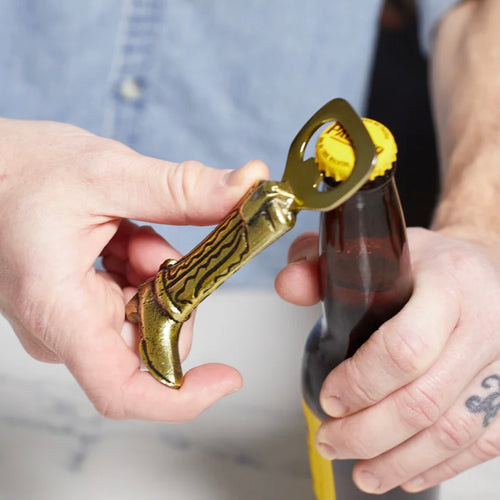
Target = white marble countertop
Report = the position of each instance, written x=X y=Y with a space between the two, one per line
x=53 y=444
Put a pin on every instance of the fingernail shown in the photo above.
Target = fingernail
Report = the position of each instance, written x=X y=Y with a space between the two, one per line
x=334 y=406
x=303 y=251
x=415 y=484
x=232 y=390
x=368 y=482
x=303 y=255
x=326 y=450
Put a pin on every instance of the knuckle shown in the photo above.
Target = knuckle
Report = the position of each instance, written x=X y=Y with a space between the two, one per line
x=356 y=381
x=401 y=469
x=448 y=470
x=356 y=444
x=453 y=434
x=471 y=271
x=109 y=408
x=418 y=408
x=110 y=400
x=191 y=166
x=181 y=181
x=462 y=261
x=486 y=448
x=406 y=349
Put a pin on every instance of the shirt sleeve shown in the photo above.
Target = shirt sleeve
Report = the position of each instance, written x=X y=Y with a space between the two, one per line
x=430 y=13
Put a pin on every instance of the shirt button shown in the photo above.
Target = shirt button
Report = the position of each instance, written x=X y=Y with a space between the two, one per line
x=130 y=89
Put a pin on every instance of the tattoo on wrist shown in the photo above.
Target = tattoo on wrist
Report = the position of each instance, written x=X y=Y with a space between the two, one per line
x=489 y=405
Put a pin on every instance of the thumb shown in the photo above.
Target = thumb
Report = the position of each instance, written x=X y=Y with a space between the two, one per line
x=187 y=193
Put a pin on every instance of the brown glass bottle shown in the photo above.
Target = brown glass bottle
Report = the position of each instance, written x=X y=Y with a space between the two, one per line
x=366 y=279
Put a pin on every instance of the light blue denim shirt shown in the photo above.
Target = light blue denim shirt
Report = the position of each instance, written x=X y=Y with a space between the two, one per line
x=221 y=82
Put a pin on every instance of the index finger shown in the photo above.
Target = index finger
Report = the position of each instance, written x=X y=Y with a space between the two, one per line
x=398 y=352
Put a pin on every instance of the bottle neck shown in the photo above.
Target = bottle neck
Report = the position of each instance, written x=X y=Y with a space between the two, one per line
x=364 y=262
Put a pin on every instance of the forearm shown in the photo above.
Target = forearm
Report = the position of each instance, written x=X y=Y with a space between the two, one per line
x=466 y=98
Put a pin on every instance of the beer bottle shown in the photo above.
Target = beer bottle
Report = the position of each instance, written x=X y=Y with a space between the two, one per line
x=365 y=280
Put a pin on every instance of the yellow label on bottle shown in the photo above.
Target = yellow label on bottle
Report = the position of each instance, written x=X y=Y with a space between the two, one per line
x=321 y=469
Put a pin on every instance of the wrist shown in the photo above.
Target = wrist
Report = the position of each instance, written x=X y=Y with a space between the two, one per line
x=469 y=206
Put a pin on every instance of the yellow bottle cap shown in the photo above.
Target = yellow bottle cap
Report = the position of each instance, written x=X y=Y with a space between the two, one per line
x=335 y=154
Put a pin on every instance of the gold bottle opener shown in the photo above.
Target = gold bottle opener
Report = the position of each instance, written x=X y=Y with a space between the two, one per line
x=264 y=214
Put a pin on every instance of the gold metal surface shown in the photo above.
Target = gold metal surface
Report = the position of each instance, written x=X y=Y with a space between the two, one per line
x=304 y=176
x=167 y=300
x=263 y=215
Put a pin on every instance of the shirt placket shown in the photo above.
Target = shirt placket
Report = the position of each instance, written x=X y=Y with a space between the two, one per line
x=130 y=74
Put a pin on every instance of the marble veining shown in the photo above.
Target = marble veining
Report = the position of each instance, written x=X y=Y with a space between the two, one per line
x=251 y=445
